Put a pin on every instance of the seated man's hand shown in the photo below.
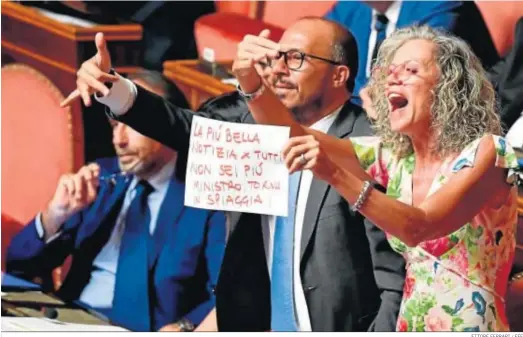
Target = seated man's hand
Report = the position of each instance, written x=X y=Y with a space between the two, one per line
x=73 y=193
x=182 y=325
x=173 y=327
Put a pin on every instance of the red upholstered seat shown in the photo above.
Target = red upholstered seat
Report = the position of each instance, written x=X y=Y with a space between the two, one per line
x=223 y=30
x=9 y=229
x=38 y=144
x=285 y=13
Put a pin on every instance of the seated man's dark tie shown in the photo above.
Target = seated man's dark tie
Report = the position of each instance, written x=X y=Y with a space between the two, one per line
x=132 y=286
x=381 y=33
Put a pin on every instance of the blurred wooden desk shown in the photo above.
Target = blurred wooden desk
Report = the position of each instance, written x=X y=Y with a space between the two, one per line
x=195 y=81
x=21 y=298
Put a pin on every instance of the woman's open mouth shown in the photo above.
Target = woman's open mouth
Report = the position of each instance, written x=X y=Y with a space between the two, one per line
x=397 y=101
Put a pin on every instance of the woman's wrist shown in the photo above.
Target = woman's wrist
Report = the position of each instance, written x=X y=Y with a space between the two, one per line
x=347 y=183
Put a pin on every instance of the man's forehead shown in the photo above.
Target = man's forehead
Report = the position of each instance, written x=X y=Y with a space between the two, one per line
x=306 y=42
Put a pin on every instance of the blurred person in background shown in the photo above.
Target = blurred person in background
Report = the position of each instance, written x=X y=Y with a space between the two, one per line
x=372 y=21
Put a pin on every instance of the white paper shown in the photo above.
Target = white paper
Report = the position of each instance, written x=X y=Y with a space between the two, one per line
x=45 y=324
x=237 y=167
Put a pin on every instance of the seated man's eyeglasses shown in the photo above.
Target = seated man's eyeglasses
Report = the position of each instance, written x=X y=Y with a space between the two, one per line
x=294 y=59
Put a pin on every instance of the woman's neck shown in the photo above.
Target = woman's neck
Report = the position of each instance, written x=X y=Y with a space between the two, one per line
x=423 y=146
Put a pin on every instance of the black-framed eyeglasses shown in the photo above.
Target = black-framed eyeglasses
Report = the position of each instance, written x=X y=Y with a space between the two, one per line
x=294 y=59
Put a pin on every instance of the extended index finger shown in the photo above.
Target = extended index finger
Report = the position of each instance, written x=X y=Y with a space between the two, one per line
x=70 y=99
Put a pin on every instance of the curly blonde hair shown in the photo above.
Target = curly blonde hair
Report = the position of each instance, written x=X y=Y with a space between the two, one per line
x=464 y=105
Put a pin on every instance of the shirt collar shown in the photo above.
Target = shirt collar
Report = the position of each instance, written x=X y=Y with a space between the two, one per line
x=325 y=123
x=160 y=180
x=392 y=13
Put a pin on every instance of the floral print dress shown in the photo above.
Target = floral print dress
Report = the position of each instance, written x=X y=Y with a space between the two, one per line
x=457 y=282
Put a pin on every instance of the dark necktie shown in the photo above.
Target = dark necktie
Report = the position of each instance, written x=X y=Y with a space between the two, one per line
x=131 y=291
x=381 y=33
x=282 y=291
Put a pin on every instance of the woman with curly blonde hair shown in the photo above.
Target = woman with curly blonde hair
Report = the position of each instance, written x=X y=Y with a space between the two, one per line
x=438 y=178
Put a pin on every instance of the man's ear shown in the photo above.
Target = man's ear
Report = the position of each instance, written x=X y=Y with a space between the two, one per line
x=340 y=76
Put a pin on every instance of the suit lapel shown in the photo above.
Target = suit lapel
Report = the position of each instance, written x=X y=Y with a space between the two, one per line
x=249 y=119
x=169 y=215
x=341 y=128
x=110 y=192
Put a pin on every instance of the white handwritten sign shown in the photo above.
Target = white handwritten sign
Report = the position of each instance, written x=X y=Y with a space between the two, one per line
x=237 y=167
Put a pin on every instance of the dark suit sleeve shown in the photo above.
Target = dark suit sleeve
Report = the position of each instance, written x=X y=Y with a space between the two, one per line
x=507 y=77
x=157 y=118
x=389 y=272
x=214 y=249
x=29 y=256
x=440 y=14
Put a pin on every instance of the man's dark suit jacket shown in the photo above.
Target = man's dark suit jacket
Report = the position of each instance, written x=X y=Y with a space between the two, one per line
x=189 y=245
x=351 y=277
x=507 y=76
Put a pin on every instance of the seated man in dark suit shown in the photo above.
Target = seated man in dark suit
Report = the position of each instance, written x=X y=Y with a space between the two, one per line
x=140 y=256
x=372 y=21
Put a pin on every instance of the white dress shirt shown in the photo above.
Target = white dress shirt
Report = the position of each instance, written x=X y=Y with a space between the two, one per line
x=392 y=14
x=515 y=133
x=99 y=291
x=121 y=96
x=269 y=222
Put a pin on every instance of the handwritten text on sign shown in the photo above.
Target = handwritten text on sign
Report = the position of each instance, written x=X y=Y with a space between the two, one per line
x=237 y=167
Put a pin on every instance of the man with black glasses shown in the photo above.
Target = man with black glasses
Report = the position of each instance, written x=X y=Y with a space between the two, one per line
x=330 y=273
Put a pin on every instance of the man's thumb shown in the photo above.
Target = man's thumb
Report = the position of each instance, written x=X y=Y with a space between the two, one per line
x=103 y=58
x=265 y=33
